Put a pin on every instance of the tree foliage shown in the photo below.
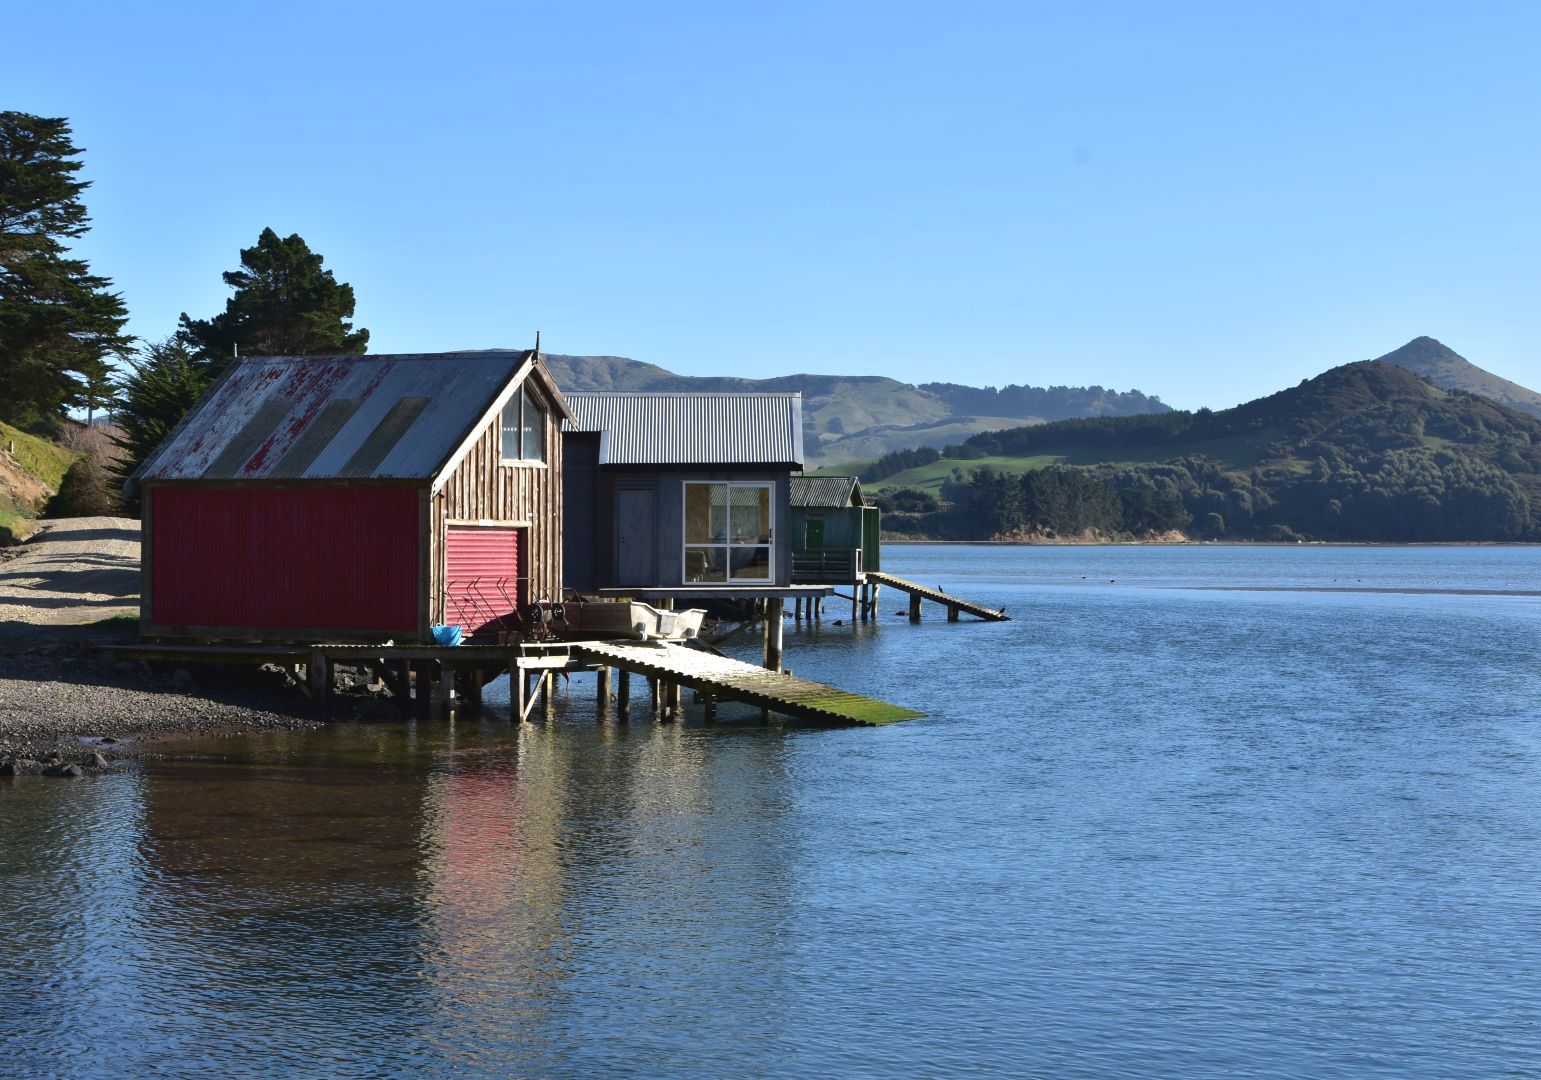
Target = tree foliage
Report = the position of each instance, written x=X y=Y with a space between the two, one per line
x=159 y=388
x=284 y=304
x=898 y=461
x=60 y=325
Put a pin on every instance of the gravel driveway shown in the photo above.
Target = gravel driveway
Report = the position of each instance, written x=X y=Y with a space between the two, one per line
x=74 y=572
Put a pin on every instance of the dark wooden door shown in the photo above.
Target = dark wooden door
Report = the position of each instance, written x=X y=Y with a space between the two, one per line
x=814 y=540
x=636 y=538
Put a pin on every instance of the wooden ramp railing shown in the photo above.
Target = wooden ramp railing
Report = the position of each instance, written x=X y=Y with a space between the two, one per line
x=734 y=680
x=954 y=604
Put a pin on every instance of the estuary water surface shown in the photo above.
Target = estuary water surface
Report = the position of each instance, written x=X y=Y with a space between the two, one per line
x=1195 y=811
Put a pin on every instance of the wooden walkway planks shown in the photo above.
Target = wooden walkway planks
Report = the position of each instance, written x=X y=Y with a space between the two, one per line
x=735 y=680
x=953 y=603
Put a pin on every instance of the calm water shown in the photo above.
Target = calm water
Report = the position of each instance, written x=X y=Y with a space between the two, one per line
x=1197 y=811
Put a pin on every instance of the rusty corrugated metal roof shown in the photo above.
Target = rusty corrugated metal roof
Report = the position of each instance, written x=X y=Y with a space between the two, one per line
x=324 y=417
x=693 y=429
x=825 y=491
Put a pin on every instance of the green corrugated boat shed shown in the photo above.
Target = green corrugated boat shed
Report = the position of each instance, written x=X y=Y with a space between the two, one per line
x=834 y=533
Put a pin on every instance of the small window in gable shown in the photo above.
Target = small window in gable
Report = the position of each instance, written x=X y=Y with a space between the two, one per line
x=524 y=429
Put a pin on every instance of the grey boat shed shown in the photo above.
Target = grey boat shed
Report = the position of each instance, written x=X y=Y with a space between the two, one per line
x=688 y=491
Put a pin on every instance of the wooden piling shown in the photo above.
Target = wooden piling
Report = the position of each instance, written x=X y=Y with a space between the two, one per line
x=424 y=678
x=774 y=632
x=952 y=612
x=623 y=695
x=404 y=686
x=604 y=691
x=914 y=608
x=318 y=673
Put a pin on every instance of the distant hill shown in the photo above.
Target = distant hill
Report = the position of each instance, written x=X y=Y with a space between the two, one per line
x=859 y=417
x=1367 y=451
x=1446 y=368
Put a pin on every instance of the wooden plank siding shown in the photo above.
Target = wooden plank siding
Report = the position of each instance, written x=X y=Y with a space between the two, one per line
x=484 y=489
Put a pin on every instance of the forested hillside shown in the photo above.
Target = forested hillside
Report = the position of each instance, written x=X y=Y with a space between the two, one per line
x=1368 y=451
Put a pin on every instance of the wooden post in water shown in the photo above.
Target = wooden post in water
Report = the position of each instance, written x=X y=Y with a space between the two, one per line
x=604 y=691
x=875 y=590
x=404 y=687
x=774 y=632
x=548 y=695
x=623 y=696
x=424 y=689
x=914 y=608
x=952 y=612
x=447 y=691
x=521 y=688
x=655 y=693
x=709 y=709
x=473 y=688
x=676 y=700
x=319 y=674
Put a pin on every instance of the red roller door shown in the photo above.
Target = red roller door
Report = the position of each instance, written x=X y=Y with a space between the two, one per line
x=481 y=574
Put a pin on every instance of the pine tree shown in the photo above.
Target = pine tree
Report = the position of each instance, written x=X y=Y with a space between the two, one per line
x=153 y=395
x=59 y=323
x=284 y=304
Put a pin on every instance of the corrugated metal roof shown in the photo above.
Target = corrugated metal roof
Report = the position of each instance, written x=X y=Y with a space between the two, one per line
x=323 y=417
x=825 y=491
x=693 y=429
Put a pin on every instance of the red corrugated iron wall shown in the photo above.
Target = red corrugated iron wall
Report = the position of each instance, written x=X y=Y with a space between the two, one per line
x=305 y=559
x=481 y=574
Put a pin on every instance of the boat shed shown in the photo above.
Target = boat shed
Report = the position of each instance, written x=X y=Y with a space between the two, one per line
x=834 y=534
x=670 y=490
x=355 y=498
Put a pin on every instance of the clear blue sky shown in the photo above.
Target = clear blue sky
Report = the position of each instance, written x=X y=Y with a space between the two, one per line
x=1204 y=201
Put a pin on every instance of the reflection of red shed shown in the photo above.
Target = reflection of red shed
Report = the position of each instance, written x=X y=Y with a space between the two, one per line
x=328 y=498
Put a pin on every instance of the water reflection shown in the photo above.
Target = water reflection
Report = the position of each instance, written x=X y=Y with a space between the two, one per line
x=467 y=895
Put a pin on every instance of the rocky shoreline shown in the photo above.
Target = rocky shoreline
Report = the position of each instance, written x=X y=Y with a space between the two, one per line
x=68 y=708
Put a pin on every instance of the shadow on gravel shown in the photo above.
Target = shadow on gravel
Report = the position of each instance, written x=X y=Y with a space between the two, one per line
x=38 y=543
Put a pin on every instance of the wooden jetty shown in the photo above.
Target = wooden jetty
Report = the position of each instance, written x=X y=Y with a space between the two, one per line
x=726 y=679
x=417 y=674
x=954 y=604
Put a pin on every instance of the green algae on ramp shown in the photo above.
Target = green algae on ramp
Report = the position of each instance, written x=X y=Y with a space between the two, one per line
x=736 y=680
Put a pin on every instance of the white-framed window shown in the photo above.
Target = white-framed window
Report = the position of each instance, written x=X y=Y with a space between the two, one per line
x=729 y=532
x=524 y=428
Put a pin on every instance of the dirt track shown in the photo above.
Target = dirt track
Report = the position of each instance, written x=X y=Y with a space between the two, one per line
x=74 y=572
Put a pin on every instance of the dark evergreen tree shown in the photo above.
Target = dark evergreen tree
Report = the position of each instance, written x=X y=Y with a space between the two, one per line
x=284 y=304
x=59 y=323
x=156 y=392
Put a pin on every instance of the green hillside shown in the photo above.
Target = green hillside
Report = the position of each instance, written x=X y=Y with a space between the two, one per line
x=1368 y=451
x=31 y=469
